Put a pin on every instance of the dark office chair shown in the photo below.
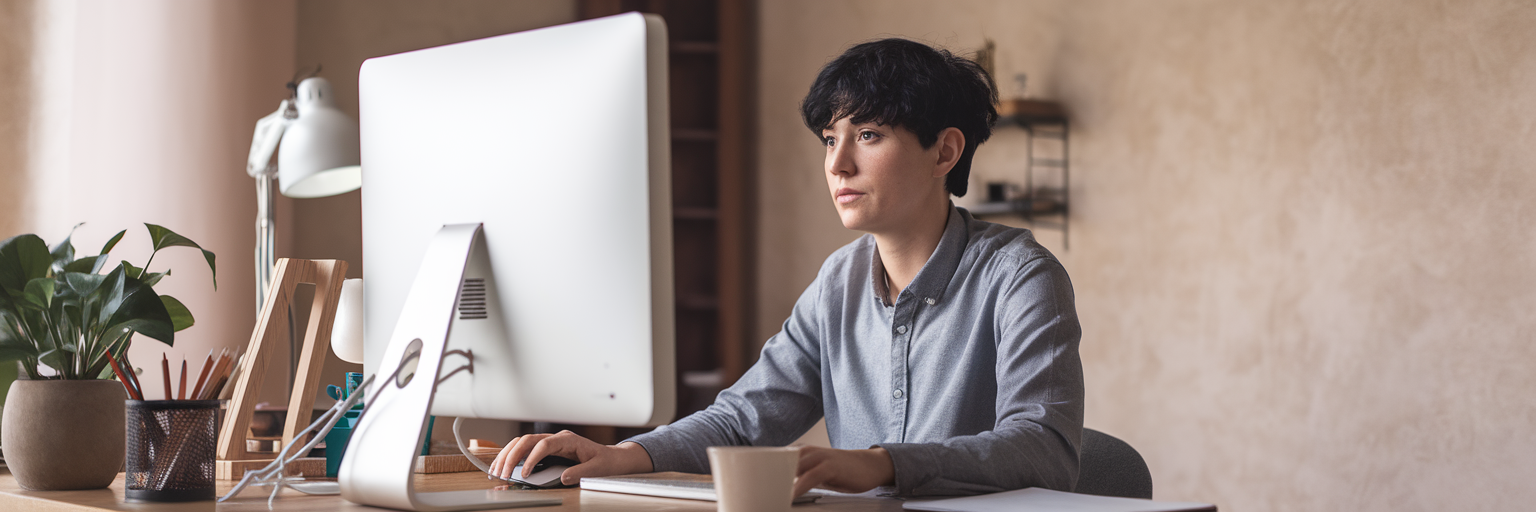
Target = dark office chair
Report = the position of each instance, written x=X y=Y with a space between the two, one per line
x=1111 y=467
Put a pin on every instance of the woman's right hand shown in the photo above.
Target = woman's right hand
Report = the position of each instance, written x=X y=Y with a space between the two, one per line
x=595 y=459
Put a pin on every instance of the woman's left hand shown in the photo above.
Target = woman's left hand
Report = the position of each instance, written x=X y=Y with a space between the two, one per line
x=850 y=471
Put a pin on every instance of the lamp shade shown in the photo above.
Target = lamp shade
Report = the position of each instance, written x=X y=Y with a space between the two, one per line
x=320 y=154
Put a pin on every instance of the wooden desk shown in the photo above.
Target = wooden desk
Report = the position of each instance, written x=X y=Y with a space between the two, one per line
x=15 y=499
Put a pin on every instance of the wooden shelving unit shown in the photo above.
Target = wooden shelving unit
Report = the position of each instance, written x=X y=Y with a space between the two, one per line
x=710 y=44
x=1043 y=202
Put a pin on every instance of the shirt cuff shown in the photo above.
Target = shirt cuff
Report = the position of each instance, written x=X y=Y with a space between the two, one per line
x=913 y=465
x=667 y=453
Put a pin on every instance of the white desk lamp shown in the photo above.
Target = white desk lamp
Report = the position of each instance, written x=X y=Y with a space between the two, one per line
x=320 y=157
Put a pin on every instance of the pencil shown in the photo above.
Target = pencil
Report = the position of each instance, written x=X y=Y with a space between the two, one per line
x=202 y=376
x=133 y=376
x=181 y=392
x=213 y=375
x=221 y=374
x=216 y=379
x=121 y=378
x=165 y=375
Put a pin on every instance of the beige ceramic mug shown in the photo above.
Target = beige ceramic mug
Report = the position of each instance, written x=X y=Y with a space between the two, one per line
x=754 y=478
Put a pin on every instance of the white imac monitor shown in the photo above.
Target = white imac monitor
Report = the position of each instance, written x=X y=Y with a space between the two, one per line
x=517 y=208
x=556 y=141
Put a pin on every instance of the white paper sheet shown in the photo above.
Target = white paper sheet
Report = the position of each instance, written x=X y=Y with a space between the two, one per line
x=1045 y=499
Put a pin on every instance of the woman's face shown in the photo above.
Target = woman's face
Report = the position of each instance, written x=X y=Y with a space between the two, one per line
x=881 y=178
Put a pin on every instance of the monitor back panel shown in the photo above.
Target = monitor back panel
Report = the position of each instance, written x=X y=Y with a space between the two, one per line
x=556 y=140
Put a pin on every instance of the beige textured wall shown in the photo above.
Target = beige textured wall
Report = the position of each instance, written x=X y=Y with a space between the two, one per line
x=142 y=112
x=1301 y=237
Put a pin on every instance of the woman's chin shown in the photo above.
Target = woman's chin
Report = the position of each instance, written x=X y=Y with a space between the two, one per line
x=853 y=219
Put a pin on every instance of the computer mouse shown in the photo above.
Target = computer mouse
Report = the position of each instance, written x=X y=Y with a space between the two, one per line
x=545 y=475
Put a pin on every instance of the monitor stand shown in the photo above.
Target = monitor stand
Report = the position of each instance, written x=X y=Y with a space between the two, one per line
x=378 y=467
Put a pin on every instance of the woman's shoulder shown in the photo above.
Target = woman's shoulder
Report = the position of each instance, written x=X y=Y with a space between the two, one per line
x=1004 y=247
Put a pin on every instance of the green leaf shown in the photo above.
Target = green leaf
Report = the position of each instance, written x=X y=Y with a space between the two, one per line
x=87 y=264
x=53 y=357
x=131 y=303
x=163 y=238
x=87 y=292
x=101 y=262
x=181 y=317
x=132 y=271
x=64 y=252
x=22 y=259
x=9 y=353
x=39 y=293
x=82 y=284
x=115 y=344
x=112 y=243
x=111 y=294
x=153 y=278
x=13 y=345
x=147 y=327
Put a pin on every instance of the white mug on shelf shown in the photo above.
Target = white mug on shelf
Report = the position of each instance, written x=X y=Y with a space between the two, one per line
x=347 y=332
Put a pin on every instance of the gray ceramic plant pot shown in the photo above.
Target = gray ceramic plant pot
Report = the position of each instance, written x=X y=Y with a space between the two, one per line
x=64 y=434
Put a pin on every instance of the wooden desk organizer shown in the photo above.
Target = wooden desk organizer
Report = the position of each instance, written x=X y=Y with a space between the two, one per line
x=233 y=460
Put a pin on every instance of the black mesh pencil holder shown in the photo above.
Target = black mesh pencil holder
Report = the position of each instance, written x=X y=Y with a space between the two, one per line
x=171 y=445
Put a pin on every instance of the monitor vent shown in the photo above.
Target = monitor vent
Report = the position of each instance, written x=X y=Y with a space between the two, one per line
x=472 y=299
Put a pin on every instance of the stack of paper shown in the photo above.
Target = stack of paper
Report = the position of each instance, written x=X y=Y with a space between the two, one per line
x=1056 y=501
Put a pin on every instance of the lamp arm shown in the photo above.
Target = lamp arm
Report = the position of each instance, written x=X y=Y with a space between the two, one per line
x=269 y=131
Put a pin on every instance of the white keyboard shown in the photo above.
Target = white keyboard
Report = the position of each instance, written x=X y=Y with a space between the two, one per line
x=666 y=488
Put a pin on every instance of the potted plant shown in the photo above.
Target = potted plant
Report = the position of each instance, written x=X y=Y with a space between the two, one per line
x=64 y=428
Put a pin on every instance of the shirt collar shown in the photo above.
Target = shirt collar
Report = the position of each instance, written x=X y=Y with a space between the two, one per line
x=936 y=274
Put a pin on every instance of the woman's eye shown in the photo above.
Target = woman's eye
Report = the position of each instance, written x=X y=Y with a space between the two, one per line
x=867 y=135
x=829 y=141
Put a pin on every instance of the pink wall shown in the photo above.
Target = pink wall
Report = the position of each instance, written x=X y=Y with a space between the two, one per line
x=145 y=114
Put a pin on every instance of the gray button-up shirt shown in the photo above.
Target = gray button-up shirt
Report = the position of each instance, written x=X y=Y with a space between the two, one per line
x=971 y=379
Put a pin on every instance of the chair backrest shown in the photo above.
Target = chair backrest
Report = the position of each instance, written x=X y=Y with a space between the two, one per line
x=1111 y=467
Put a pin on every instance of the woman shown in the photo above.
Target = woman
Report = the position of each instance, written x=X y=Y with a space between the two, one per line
x=942 y=350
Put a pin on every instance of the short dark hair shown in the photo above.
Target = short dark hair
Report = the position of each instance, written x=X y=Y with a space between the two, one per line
x=898 y=82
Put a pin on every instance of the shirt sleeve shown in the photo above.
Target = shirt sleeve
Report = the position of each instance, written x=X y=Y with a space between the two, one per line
x=774 y=403
x=1039 y=406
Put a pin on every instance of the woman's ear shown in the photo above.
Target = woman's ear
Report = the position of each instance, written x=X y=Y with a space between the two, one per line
x=951 y=144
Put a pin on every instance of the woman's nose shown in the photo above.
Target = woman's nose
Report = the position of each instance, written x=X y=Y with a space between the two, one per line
x=840 y=161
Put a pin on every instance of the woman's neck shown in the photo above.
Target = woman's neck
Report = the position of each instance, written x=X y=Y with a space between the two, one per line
x=905 y=252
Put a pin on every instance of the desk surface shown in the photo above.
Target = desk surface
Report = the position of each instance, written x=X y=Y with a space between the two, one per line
x=14 y=498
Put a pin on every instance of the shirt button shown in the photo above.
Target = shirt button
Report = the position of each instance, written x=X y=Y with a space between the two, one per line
x=901 y=329
x=930 y=301
x=896 y=393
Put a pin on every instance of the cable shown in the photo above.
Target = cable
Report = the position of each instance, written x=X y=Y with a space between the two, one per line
x=465 y=449
x=272 y=474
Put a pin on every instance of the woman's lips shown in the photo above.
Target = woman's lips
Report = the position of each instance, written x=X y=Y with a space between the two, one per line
x=848 y=195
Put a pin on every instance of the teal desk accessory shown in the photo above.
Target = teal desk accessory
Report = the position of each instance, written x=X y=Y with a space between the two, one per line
x=354 y=379
x=336 y=441
x=427 y=444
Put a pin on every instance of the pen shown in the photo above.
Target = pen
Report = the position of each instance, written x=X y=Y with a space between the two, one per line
x=165 y=375
x=133 y=376
x=221 y=364
x=181 y=392
x=202 y=376
x=121 y=378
